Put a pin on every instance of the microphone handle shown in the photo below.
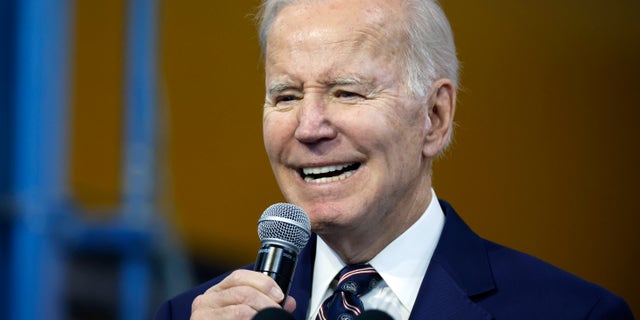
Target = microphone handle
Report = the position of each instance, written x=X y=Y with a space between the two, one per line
x=278 y=263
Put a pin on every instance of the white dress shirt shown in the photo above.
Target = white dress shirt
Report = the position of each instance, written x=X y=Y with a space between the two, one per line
x=402 y=265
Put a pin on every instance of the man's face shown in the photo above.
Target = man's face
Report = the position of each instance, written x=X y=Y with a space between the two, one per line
x=344 y=138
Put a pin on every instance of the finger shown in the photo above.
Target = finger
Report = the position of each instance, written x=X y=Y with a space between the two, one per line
x=253 y=279
x=289 y=304
x=242 y=295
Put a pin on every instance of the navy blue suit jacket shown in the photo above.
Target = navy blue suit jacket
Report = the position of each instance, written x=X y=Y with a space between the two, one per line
x=468 y=278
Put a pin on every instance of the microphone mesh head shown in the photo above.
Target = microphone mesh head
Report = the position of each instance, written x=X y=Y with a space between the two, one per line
x=284 y=224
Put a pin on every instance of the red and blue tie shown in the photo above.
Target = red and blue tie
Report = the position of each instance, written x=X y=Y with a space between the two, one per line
x=353 y=282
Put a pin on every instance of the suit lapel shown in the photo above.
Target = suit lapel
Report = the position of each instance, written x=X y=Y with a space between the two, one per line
x=441 y=298
x=459 y=270
x=302 y=279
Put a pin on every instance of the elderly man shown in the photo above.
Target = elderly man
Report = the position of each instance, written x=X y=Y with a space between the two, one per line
x=360 y=100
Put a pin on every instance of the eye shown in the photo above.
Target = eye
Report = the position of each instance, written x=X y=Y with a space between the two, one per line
x=347 y=94
x=285 y=98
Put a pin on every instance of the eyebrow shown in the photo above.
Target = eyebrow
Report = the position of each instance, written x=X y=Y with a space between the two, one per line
x=368 y=85
x=278 y=87
x=345 y=81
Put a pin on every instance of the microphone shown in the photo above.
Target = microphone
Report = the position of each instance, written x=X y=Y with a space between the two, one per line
x=284 y=230
x=273 y=314
x=373 y=315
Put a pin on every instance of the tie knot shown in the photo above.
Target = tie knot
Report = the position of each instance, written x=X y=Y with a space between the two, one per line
x=353 y=282
x=357 y=279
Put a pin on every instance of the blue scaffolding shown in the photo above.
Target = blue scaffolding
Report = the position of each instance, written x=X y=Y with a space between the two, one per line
x=40 y=227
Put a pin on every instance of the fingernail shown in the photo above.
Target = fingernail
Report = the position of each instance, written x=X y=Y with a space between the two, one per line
x=276 y=293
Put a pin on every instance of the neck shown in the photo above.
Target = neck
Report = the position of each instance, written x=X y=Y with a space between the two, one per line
x=355 y=244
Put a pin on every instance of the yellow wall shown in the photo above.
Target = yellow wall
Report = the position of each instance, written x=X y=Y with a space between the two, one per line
x=214 y=92
x=97 y=101
x=545 y=157
x=546 y=154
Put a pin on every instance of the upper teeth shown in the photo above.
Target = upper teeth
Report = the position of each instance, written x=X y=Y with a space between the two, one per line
x=319 y=170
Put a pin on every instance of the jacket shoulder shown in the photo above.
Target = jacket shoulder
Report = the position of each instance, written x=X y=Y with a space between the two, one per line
x=510 y=284
x=524 y=282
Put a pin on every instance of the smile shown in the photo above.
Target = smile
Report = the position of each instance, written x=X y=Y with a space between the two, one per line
x=328 y=173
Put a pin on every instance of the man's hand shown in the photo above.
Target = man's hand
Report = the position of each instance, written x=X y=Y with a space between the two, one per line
x=239 y=296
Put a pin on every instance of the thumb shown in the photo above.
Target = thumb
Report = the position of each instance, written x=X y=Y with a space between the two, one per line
x=289 y=304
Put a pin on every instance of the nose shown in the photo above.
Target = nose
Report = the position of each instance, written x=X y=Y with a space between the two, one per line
x=314 y=121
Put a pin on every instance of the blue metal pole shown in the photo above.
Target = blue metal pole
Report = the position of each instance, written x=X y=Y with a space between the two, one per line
x=7 y=62
x=39 y=173
x=140 y=108
x=139 y=166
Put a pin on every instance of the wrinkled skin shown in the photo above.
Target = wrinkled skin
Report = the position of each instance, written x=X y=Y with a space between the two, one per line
x=336 y=96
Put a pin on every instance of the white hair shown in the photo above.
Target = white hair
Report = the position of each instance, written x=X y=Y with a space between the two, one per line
x=428 y=55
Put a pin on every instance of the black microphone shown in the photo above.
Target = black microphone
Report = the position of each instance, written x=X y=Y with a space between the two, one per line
x=373 y=315
x=273 y=314
x=284 y=230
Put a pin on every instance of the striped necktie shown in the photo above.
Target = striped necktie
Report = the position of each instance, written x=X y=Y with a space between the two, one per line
x=353 y=282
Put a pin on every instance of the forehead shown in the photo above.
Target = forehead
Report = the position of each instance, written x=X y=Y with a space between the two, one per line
x=334 y=11
x=329 y=38
x=327 y=21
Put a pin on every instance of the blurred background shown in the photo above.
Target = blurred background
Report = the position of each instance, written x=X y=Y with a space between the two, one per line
x=132 y=165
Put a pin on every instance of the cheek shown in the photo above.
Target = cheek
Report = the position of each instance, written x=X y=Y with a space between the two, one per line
x=368 y=127
x=276 y=130
x=403 y=126
x=402 y=135
x=269 y=134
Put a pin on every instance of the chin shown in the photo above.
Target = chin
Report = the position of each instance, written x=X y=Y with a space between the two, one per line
x=324 y=215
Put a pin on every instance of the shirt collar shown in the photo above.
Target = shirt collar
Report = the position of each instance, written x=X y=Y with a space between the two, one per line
x=402 y=264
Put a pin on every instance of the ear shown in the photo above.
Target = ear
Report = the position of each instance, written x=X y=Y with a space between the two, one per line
x=442 y=108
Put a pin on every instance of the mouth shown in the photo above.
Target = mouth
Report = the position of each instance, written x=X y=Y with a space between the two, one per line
x=328 y=173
